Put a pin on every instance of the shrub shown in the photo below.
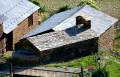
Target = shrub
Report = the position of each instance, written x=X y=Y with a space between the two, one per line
x=100 y=73
x=92 y=3
x=7 y=55
x=64 y=8
x=42 y=8
x=2 y=76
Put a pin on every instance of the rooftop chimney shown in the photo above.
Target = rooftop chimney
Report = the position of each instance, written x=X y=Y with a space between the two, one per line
x=81 y=22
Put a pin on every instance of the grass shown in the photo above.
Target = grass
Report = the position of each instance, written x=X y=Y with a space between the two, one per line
x=92 y=3
x=7 y=55
x=64 y=8
x=113 y=69
x=84 y=61
x=117 y=41
x=50 y=7
x=2 y=60
x=108 y=6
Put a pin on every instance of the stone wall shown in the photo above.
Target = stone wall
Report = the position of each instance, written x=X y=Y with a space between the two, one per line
x=23 y=28
x=69 y=52
x=62 y=53
x=1 y=39
x=106 y=40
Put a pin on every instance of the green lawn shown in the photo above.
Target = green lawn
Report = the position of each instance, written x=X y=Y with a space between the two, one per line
x=113 y=69
x=84 y=61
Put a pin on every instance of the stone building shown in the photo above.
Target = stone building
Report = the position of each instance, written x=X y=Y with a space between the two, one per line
x=75 y=32
x=17 y=18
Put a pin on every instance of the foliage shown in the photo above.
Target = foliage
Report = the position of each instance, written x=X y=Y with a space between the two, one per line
x=2 y=76
x=110 y=67
x=2 y=60
x=7 y=55
x=42 y=8
x=35 y=2
x=113 y=69
x=117 y=41
x=92 y=3
x=100 y=73
x=64 y=8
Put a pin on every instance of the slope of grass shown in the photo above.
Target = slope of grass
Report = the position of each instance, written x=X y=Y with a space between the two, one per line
x=84 y=61
x=113 y=69
x=109 y=6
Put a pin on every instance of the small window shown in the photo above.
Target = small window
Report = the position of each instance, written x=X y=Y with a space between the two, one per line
x=30 y=20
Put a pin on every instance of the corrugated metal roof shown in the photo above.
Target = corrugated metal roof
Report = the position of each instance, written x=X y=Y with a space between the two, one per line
x=100 y=21
x=52 y=22
x=2 y=18
x=15 y=11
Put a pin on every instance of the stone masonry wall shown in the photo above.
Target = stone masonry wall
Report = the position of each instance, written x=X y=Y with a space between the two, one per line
x=71 y=51
x=23 y=28
x=106 y=40
x=63 y=53
x=1 y=39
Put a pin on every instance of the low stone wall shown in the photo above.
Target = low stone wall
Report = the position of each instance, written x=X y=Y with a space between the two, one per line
x=69 y=52
x=106 y=40
x=63 y=53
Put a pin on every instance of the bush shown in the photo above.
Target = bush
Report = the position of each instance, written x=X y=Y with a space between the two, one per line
x=2 y=76
x=92 y=3
x=64 y=8
x=42 y=8
x=7 y=55
x=100 y=73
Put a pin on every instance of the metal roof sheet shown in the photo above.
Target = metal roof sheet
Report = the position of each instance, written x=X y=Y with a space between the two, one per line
x=100 y=21
x=2 y=18
x=15 y=11
x=52 y=22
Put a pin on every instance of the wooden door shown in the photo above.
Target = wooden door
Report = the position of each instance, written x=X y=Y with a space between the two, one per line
x=9 y=41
